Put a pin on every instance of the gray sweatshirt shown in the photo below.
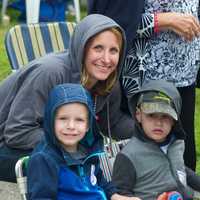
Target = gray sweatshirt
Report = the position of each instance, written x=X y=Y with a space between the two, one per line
x=24 y=93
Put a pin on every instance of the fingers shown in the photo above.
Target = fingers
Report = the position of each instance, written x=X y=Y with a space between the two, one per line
x=185 y=25
x=192 y=27
x=162 y=196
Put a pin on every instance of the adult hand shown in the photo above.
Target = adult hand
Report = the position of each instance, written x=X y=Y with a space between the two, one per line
x=185 y=25
x=122 y=197
x=163 y=196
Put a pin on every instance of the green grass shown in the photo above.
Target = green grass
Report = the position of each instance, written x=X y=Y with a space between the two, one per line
x=4 y=64
x=5 y=70
x=197 y=129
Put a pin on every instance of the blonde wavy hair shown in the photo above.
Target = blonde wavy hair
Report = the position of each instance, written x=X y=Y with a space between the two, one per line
x=104 y=87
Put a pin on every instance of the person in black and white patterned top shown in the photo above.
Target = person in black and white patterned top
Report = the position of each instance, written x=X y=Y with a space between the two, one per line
x=167 y=47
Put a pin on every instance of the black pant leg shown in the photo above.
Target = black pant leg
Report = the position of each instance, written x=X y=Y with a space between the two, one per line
x=8 y=159
x=187 y=118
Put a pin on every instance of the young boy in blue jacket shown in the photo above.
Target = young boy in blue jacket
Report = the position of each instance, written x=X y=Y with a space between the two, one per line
x=65 y=164
x=152 y=164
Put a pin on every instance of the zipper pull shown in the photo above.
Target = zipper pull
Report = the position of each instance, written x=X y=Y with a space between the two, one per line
x=93 y=178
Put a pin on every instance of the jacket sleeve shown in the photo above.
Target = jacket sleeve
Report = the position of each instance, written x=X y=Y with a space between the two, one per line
x=193 y=179
x=120 y=11
x=124 y=175
x=23 y=129
x=97 y=6
x=113 y=117
x=41 y=178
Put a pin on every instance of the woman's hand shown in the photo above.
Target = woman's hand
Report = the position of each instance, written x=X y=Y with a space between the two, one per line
x=185 y=25
x=163 y=196
x=122 y=197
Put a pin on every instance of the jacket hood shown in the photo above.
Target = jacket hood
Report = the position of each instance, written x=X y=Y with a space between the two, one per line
x=71 y=93
x=84 y=30
x=168 y=89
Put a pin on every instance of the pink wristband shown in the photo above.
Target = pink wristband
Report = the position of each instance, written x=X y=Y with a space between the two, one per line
x=156 y=29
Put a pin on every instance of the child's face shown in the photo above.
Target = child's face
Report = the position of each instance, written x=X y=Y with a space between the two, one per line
x=156 y=126
x=71 y=125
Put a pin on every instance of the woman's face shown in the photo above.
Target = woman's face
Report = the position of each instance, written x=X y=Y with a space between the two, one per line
x=101 y=56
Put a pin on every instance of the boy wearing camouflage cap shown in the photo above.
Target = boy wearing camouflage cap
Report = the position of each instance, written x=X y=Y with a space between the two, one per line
x=152 y=162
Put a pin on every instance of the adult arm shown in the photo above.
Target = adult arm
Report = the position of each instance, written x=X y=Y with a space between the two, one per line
x=127 y=14
x=41 y=178
x=123 y=197
x=126 y=17
x=184 y=25
x=193 y=179
x=23 y=128
x=97 y=6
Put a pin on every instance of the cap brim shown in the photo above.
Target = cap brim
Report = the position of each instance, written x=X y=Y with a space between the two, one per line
x=157 y=107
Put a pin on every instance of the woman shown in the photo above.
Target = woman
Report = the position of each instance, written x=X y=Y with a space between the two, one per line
x=169 y=49
x=94 y=58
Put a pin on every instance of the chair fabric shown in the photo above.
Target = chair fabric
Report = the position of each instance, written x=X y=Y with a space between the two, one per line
x=26 y=42
x=107 y=160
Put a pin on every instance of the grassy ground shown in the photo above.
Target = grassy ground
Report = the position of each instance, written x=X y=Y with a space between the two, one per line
x=197 y=129
x=5 y=70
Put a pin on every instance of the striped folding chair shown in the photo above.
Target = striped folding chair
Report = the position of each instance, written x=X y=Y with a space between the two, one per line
x=107 y=159
x=26 y=42
x=20 y=169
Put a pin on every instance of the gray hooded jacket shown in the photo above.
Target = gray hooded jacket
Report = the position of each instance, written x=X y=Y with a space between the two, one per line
x=23 y=94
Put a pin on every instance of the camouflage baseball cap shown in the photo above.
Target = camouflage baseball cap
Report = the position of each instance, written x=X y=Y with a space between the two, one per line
x=157 y=102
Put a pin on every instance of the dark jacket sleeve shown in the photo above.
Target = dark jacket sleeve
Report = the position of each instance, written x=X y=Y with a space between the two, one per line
x=124 y=175
x=41 y=178
x=112 y=116
x=193 y=179
x=126 y=13
x=97 y=6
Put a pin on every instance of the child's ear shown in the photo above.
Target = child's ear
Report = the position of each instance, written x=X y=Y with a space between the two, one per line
x=138 y=114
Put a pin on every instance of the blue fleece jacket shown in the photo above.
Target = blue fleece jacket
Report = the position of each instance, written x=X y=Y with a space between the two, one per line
x=54 y=173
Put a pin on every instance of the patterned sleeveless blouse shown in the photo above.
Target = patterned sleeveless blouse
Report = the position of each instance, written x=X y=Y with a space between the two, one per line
x=163 y=55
